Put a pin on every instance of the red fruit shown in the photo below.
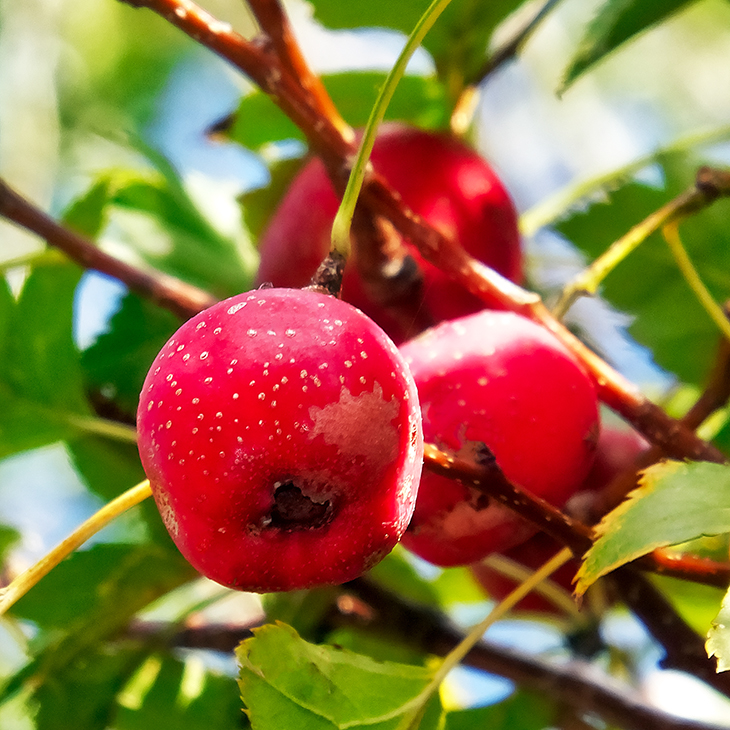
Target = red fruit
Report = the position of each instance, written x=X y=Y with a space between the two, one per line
x=616 y=451
x=439 y=178
x=281 y=435
x=531 y=554
x=499 y=379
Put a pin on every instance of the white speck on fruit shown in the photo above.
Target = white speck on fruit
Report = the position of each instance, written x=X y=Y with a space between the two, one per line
x=208 y=380
x=261 y=302
x=338 y=322
x=363 y=355
x=204 y=355
x=157 y=370
x=219 y=414
x=303 y=374
x=278 y=356
x=236 y=307
x=200 y=416
x=200 y=325
x=284 y=379
x=262 y=396
x=461 y=403
x=482 y=381
x=323 y=366
x=271 y=332
x=290 y=333
x=229 y=371
x=251 y=332
x=240 y=438
x=217 y=330
x=320 y=304
x=304 y=389
x=235 y=396
x=180 y=348
x=195 y=430
x=360 y=341
x=168 y=424
x=150 y=404
x=195 y=401
x=169 y=378
x=186 y=357
x=273 y=404
x=317 y=382
x=275 y=387
x=348 y=363
x=252 y=383
x=362 y=379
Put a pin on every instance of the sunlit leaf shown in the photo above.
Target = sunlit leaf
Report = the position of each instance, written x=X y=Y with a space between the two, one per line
x=321 y=687
x=718 y=637
x=616 y=22
x=675 y=502
x=696 y=603
x=521 y=711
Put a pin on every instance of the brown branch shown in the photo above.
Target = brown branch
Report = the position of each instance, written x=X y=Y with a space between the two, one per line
x=488 y=478
x=266 y=70
x=275 y=24
x=181 y=298
x=426 y=630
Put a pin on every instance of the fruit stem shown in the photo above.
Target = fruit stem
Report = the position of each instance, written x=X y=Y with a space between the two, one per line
x=454 y=657
x=343 y=219
x=692 y=277
x=28 y=578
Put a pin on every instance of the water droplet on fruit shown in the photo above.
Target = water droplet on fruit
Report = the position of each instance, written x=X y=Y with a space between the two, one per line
x=204 y=355
x=217 y=330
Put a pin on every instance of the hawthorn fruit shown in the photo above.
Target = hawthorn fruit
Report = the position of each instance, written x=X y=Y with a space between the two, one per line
x=500 y=380
x=439 y=178
x=281 y=434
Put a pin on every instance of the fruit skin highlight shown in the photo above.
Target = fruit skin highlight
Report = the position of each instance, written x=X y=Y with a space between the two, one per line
x=281 y=433
x=496 y=378
x=438 y=177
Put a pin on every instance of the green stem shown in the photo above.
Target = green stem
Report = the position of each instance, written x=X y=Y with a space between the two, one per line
x=343 y=219
x=689 y=272
x=455 y=656
x=103 y=427
x=26 y=580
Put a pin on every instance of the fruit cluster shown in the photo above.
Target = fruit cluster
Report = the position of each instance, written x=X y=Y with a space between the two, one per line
x=282 y=430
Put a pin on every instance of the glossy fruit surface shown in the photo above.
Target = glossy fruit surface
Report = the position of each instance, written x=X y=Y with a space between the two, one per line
x=499 y=379
x=439 y=178
x=281 y=434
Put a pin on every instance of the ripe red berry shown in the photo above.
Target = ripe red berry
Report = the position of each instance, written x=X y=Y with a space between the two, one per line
x=281 y=434
x=499 y=379
x=439 y=178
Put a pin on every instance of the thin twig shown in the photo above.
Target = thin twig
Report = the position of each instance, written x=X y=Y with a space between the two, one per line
x=181 y=298
x=426 y=630
x=489 y=479
x=275 y=24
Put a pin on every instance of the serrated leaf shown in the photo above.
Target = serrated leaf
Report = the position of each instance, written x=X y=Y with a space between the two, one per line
x=523 y=710
x=718 y=637
x=616 y=22
x=675 y=502
x=321 y=687
x=418 y=100
x=86 y=213
x=118 y=361
x=668 y=318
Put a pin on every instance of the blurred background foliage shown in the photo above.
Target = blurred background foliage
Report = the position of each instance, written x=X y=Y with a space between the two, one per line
x=104 y=120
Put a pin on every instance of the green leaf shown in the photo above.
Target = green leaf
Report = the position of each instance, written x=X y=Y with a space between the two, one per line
x=117 y=363
x=163 y=225
x=718 y=637
x=81 y=694
x=522 y=710
x=696 y=603
x=675 y=502
x=41 y=385
x=396 y=573
x=647 y=284
x=321 y=687
x=616 y=22
x=182 y=695
x=458 y=42
x=418 y=100
x=43 y=362
x=86 y=213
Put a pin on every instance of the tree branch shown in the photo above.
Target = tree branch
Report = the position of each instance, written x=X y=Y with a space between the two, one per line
x=181 y=298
